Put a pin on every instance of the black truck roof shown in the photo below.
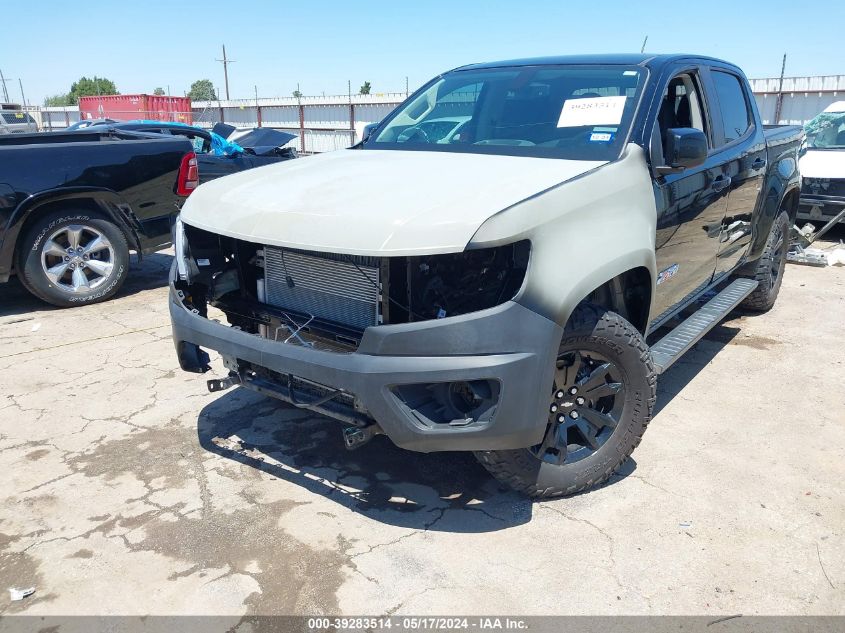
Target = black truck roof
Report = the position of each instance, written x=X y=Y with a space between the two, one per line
x=627 y=59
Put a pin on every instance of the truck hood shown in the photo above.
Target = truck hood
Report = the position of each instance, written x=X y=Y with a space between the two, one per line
x=823 y=163
x=373 y=202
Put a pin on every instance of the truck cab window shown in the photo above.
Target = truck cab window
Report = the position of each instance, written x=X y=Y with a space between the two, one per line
x=735 y=115
x=680 y=106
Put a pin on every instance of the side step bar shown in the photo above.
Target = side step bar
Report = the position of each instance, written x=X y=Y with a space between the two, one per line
x=672 y=346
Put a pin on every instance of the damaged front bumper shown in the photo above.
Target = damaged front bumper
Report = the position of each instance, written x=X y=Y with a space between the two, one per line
x=479 y=381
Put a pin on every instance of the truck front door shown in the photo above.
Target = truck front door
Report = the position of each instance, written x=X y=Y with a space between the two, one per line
x=690 y=204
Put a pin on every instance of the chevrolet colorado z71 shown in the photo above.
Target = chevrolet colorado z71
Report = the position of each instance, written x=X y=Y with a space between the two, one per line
x=73 y=204
x=491 y=285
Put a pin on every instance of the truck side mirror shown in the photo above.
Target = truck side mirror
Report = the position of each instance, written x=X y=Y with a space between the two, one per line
x=684 y=147
x=368 y=129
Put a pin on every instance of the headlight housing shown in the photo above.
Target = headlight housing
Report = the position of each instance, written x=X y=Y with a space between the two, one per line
x=180 y=245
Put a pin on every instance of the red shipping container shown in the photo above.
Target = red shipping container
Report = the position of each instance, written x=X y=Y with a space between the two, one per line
x=130 y=107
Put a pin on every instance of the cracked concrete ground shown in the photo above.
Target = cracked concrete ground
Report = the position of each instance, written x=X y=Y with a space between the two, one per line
x=128 y=489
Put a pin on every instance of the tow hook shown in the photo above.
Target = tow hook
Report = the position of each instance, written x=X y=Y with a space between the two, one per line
x=221 y=384
x=356 y=436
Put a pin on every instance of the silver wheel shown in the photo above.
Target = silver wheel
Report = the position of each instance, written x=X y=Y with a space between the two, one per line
x=77 y=258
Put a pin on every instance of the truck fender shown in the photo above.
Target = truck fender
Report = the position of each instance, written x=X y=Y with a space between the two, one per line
x=583 y=233
x=780 y=191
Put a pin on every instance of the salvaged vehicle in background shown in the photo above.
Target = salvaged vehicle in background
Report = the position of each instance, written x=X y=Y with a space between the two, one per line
x=230 y=152
x=13 y=120
x=495 y=289
x=822 y=166
x=89 y=123
x=73 y=204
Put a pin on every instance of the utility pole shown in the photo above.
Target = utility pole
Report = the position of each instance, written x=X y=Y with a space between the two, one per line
x=779 y=101
x=642 y=48
x=406 y=86
x=226 y=61
x=5 y=92
x=23 y=97
x=351 y=111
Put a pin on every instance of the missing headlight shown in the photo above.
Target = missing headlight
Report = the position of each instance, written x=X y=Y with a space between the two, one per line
x=438 y=286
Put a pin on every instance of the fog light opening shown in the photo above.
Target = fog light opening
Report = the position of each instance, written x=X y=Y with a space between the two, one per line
x=466 y=397
x=457 y=403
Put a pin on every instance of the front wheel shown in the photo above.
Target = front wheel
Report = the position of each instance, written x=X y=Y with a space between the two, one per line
x=602 y=398
x=69 y=258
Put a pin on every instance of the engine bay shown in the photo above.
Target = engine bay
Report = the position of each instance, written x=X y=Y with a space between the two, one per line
x=327 y=300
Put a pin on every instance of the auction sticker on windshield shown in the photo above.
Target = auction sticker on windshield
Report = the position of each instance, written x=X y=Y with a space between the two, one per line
x=592 y=111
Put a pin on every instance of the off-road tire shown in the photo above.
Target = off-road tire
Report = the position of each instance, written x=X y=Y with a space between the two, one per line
x=770 y=267
x=590 y=328
x=31 y=247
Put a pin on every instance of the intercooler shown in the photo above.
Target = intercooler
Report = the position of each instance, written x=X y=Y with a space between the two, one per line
x=343 y=289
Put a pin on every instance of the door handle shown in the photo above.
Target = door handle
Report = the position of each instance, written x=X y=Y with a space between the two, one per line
x=721 y=182
x=758 y=163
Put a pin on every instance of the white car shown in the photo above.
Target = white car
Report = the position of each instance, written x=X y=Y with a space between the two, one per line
x=823 y=165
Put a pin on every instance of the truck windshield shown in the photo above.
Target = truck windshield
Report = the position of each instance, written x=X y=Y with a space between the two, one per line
x=826 y=131
x=574 y=112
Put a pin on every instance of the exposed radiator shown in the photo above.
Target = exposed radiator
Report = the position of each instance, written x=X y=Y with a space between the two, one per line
x=329 y=286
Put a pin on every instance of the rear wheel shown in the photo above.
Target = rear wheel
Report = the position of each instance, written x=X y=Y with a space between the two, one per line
x=69 y=258
x=604 y=392
x=770 y=267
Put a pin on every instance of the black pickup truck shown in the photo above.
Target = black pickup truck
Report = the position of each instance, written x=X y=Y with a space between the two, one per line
x=72 y=206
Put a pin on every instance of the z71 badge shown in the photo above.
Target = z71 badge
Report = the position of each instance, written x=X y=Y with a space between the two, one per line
x=665 y=275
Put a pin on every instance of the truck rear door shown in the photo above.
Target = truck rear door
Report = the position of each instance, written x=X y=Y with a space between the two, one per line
x=741 y=143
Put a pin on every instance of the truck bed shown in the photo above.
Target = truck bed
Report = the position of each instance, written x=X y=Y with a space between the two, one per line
x=783 y=133
x=53 y=138
x=782 y=141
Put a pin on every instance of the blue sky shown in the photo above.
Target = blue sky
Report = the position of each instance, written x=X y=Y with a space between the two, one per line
x=322 y=43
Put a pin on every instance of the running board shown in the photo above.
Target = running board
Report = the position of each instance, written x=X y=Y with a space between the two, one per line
x=672 y=346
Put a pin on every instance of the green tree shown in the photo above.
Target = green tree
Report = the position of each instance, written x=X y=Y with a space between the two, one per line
x=86 y=87
x=365 y=89
x=158 y=91
x=58 y=100
x=297 y=94
x=202 y=90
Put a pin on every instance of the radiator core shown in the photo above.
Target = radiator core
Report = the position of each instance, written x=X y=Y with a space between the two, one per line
x=343 y=289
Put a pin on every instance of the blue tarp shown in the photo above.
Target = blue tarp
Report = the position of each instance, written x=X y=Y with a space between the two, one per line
x=219 y=145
